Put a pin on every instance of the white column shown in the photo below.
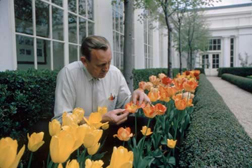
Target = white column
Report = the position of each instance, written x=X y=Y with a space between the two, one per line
x=156 y=61
x=236 y=52
x=66 y=38
x=8 y=59
x=139 y=40
x=226 y=52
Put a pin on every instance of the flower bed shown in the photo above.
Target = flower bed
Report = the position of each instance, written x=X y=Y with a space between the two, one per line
x=78 y=145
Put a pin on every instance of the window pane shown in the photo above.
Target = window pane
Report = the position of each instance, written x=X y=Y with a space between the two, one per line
x=82 y=7
x=57 y=21
x=214 y=47
x=43 y=54
x=219 y=47
x=58 y=55
x=57 y=2
x=72 y=5
x=23 y=16
x=25 y=52
x=82 y=29
x=90 y=28
x=73 y=53
x=72 y=28
x=90 y=7
x=42 y=19
x=121 y=23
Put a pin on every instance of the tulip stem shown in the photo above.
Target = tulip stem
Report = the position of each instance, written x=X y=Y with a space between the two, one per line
x=136 y=124
x=123 y=143
x=29 y=164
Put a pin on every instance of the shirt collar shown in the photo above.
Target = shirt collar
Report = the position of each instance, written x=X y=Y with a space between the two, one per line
x=88 y=75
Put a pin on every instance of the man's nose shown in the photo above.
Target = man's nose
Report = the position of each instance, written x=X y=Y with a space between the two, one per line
x=106 y=68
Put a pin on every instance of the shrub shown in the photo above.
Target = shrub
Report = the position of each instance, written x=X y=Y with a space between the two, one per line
x=25 y=98
x=214 y=138
x=240 y=71
x=241 y=82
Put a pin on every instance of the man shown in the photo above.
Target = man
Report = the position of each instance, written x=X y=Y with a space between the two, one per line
x=93 y=82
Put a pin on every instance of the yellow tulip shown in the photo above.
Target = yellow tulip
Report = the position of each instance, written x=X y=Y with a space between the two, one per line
x=54 y=127
x=121 y=158
x=94 y=120
x=146 y=131
x=69 y=119
x=61 y=146
x=93 y=150
x=171 y=143
x=79 y=113
x=78 y=132
x=106 y=126
x=102 y=110
x=8 y=153
x=92 y=137
x=93 y=164
x=72 y=164
x=60 y=166
x=35 y=141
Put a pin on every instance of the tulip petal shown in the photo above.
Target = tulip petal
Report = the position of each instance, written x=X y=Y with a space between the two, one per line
x=17 y=159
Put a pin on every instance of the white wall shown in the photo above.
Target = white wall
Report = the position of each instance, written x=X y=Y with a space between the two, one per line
x=139 y=41
x=156 y=56
x=7 y=53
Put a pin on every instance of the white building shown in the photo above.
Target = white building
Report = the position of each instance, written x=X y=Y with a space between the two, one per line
x=46 y=34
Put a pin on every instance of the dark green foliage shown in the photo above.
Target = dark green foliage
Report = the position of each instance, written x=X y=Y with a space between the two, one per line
x=143 y=74
x=241 y=82
x=202 y=70
x=240 y=71
x=214 y=138
x=25 y=98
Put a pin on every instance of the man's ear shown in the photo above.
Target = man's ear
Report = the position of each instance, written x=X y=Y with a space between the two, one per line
x=83 y=60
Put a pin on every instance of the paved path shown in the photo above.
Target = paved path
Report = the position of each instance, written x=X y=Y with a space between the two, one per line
x=238 y=100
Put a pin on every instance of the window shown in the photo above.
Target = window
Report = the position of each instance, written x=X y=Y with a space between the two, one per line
x=118 y=32
x=214 y=44
x=41 y=31
x=215 y=63
x=232 y=52
x=148 y=43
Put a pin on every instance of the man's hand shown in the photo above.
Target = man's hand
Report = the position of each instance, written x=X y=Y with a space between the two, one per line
x=116 y=116
x=141 y=96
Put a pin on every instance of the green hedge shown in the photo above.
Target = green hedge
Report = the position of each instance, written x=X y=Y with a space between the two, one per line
x=214 y=138
x=25 y=98
x=143 y=74
x=240 y=71
x=241 y=82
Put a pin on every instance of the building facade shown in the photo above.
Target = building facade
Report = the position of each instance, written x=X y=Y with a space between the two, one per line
x=47 y=34
x=231 y=37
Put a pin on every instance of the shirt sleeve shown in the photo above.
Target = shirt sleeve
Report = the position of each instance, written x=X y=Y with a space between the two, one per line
x=65 y=93
x=124 y=93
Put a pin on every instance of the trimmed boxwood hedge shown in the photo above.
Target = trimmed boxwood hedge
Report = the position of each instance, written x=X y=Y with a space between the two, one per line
x=214 y=138
x=240 y=71
x=25 y=98
x=241 y=82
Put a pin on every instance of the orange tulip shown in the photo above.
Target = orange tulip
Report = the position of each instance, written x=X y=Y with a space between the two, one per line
x=141 y=85
x=161 y=75
x=132 y=108
x=149 y=111
x=152 y=78
x=160 y=109
x=181 y=103
x=123 y=134
x=171 y=91
x=148 y=86
x=163 y=94
x=154 y=94
x=178 y=82
x=190 y=86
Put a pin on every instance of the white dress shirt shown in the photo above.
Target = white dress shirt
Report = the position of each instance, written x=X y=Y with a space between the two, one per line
x=77 y=88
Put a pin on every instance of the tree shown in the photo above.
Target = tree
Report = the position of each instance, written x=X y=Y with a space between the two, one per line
x=194 y=35
x=128 y=61
x=165 y=9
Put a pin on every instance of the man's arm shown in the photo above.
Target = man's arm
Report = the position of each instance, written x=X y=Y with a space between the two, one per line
x=65 y=94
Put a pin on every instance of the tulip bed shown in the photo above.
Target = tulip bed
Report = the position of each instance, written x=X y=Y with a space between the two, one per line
x=74 y=145
x=214 y=138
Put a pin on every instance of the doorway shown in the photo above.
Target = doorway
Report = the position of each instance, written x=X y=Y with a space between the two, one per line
x=211 y=62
